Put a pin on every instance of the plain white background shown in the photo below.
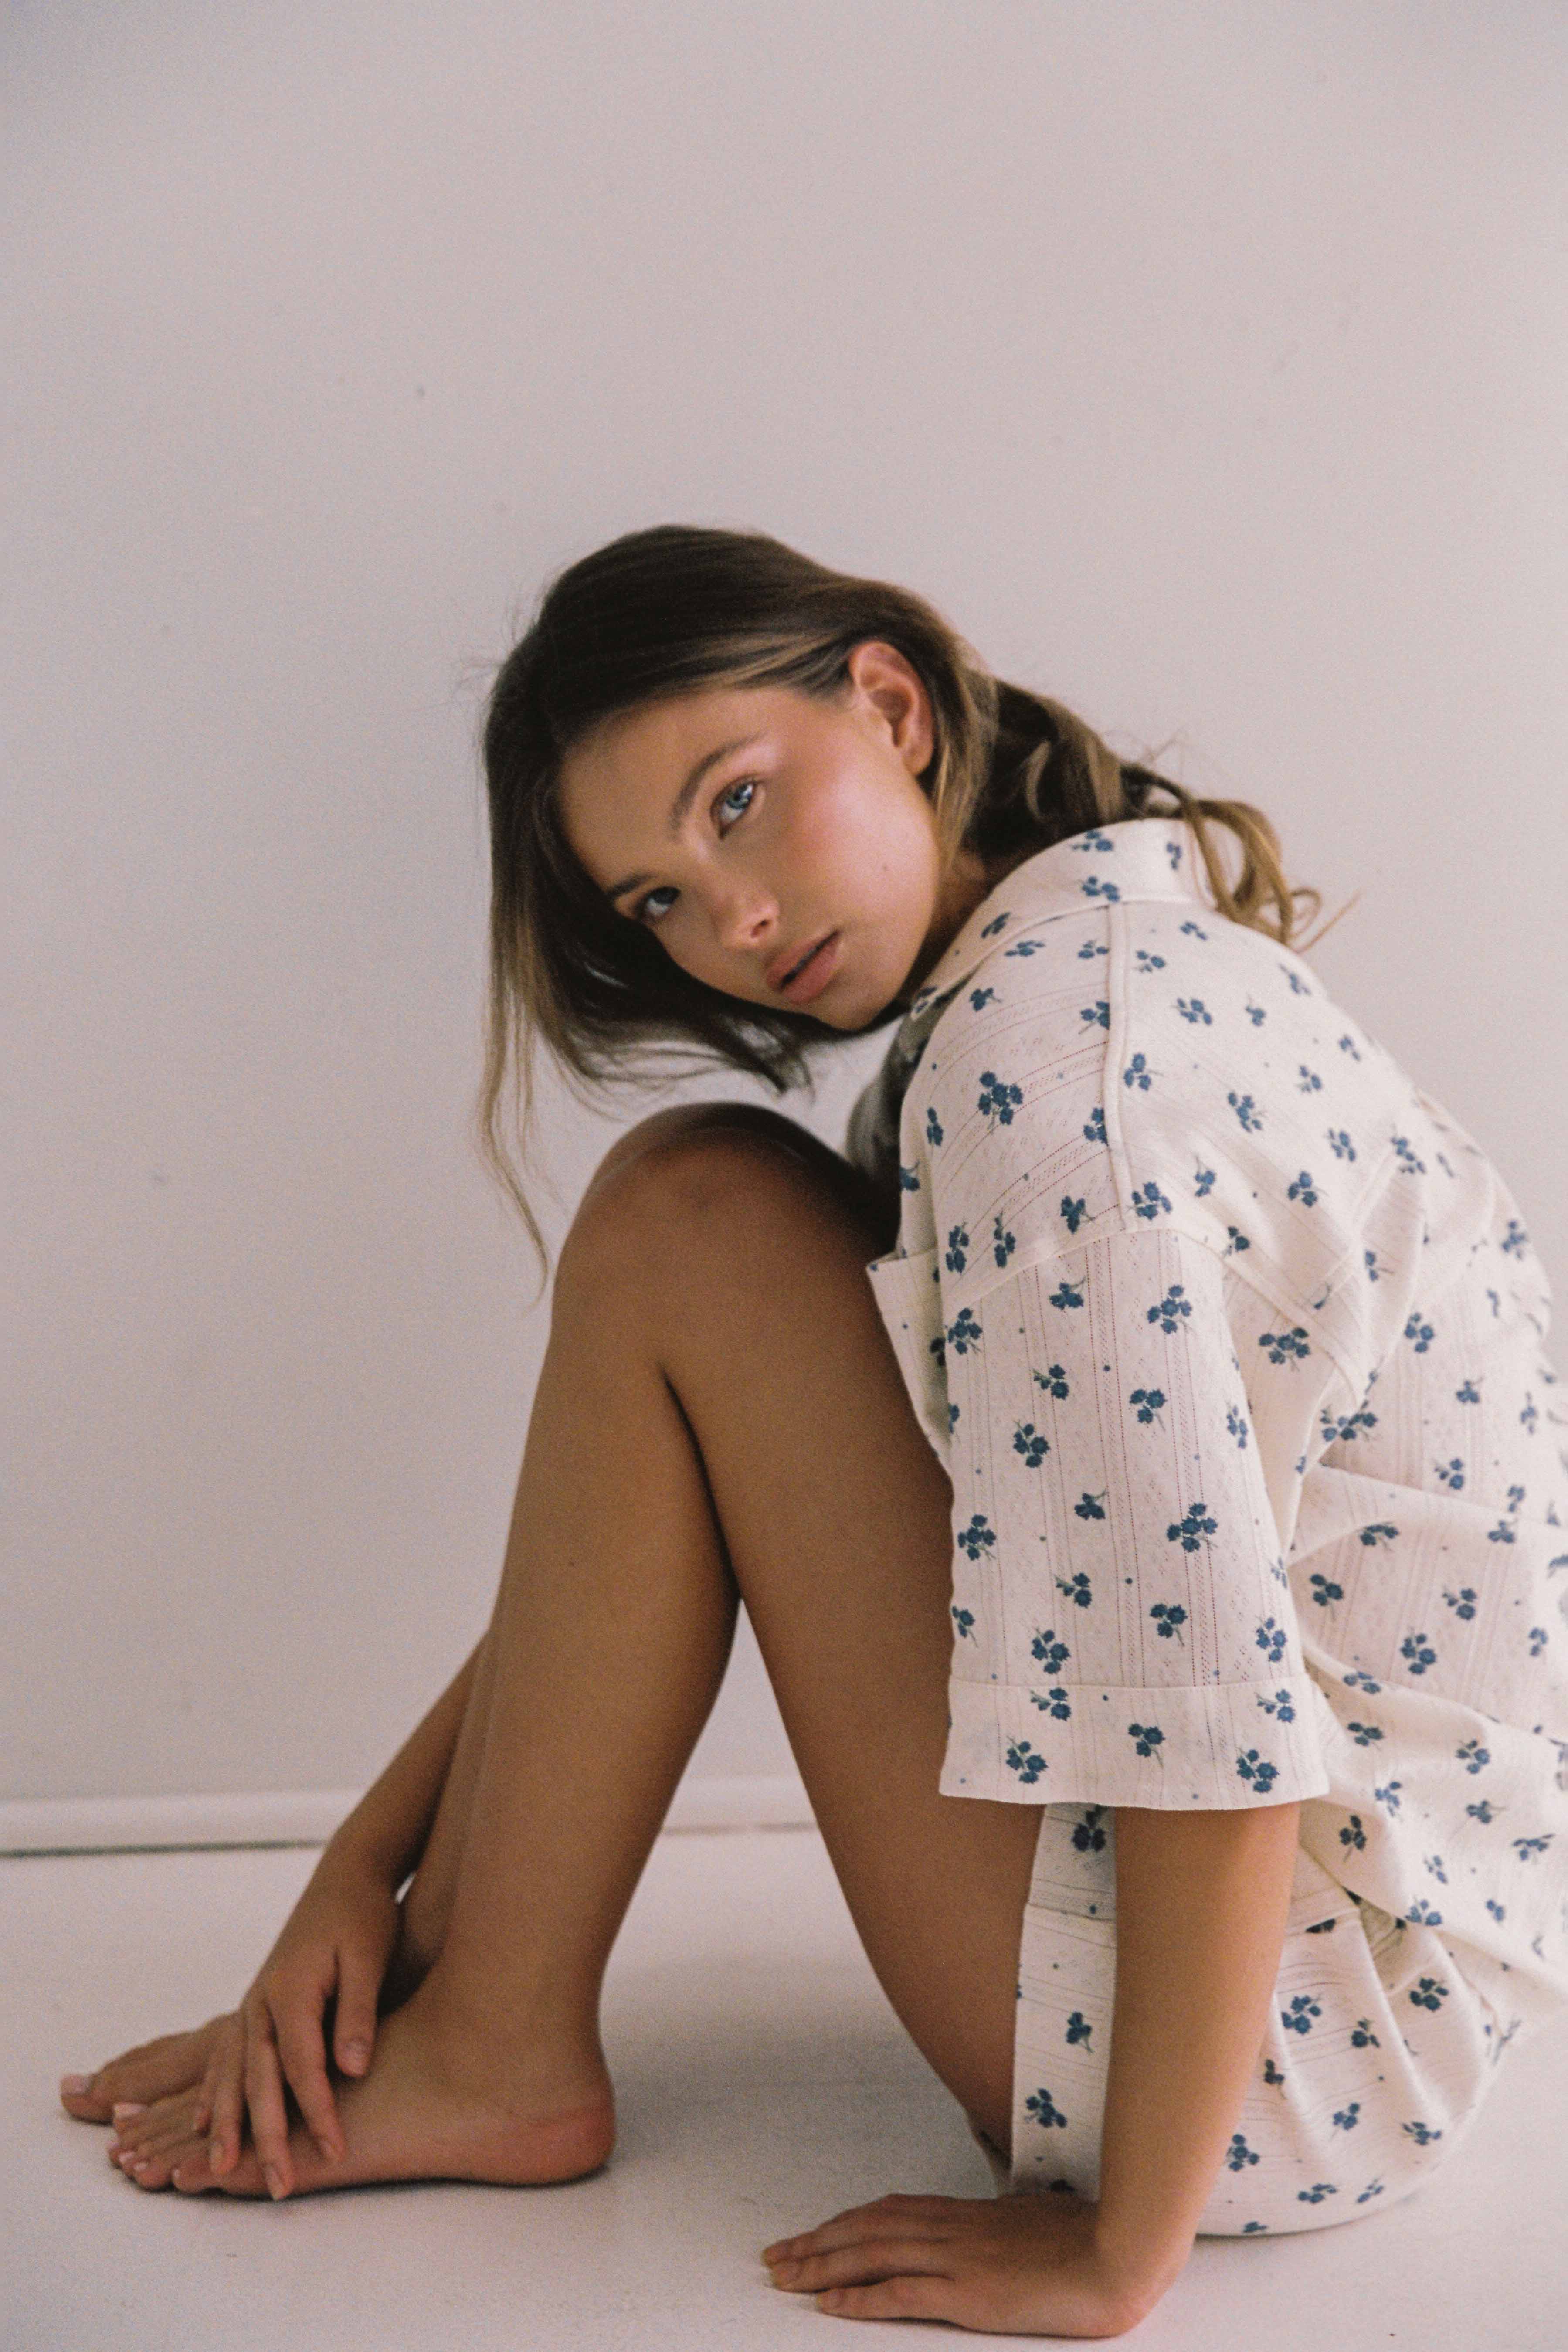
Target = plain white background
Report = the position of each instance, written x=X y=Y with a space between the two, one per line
x=1204 y=364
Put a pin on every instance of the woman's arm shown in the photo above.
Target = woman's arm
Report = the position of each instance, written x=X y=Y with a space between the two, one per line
x=1202 y=1900
x=387 y=1829
x=334 y=1947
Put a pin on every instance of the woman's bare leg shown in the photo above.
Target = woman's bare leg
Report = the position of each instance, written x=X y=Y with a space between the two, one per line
x=718 y=1407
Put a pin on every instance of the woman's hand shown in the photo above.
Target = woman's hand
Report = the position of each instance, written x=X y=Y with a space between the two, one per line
x=333 y=1951
x=1012 y=2265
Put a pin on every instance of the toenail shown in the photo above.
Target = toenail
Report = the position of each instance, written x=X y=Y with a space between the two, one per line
x=128 y=2107
x=76 y=2086
x=274 y=2180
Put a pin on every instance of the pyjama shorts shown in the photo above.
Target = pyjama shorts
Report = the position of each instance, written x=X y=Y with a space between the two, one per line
x=1377 y=2058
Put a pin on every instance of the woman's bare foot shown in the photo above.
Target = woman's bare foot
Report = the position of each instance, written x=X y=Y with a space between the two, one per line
x=433 y=2108
x=152 y=2071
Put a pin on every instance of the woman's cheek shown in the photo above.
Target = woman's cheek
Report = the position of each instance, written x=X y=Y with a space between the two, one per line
x=818 y=816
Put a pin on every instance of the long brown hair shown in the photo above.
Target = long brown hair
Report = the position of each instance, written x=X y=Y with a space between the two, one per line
x=677 y=610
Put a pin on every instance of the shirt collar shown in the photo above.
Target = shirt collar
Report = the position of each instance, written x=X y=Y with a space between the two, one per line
x=1141 y=858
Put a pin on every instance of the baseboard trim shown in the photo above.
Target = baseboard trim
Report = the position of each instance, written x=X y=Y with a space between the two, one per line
x=308 y=1816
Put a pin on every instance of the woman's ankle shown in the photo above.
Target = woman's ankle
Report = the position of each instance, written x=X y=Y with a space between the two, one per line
x=542 y=2059
x=407 y=1969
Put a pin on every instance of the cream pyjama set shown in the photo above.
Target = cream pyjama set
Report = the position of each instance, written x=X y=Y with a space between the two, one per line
x=1234 y=1347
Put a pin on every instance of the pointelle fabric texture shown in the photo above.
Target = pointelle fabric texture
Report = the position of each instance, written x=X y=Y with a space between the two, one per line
x=1233 y=1344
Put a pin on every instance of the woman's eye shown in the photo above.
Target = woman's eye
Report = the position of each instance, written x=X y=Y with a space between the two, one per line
x=732 y=805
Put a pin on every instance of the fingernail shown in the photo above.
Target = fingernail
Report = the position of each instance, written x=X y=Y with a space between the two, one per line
x=215 y=2153
x=174 y=2177
x=128 y=2107
x=75 y=2086
x=114 y=2147
x=357 y=2057
x=274 y=2180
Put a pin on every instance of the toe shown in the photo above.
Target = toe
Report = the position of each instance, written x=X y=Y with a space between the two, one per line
x=143 y=2129
x=183 y=2162
x=81 y=2098
x=155 y=2149
x=152 y=2071
x=143 y=2169
x=245 y=2178
x=190 y=2168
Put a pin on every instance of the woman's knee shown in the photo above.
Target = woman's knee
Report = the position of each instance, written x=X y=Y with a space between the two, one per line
x=719 y=1170
x=666 y=1138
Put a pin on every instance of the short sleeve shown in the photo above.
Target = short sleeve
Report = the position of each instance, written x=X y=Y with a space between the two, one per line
x=1123 y=1628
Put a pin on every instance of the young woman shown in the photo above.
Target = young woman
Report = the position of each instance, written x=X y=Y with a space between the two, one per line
x=1151 y=1558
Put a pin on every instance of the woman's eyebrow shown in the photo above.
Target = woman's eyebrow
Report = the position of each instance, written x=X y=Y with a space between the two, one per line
x=683 y=800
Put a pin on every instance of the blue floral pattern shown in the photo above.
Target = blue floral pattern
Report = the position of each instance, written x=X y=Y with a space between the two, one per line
x=1234 y=1345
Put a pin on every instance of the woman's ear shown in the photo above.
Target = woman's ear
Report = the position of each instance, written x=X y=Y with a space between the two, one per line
x=883 y=678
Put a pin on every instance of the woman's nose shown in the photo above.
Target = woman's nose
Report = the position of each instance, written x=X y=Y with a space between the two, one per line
x=745 y=921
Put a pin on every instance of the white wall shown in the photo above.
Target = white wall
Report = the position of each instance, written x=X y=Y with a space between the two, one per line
x=1205 y=364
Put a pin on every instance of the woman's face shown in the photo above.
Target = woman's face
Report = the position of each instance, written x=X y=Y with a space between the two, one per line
x=744 y=825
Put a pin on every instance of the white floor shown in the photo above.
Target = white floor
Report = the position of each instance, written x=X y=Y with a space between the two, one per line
x=762 y=2083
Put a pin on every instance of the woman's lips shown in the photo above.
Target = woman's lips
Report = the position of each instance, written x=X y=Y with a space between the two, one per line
x=815 y=972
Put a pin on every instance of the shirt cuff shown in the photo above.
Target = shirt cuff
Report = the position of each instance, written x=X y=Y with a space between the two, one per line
x=1219 y=1748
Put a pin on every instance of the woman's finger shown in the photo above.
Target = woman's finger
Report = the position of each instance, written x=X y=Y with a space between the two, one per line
x=862 y=2266
x=303 y=2057
x=899 y=2298
x=353 y=2028
x=917 y=2216
x=265 y=2099
x=224 y=2090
